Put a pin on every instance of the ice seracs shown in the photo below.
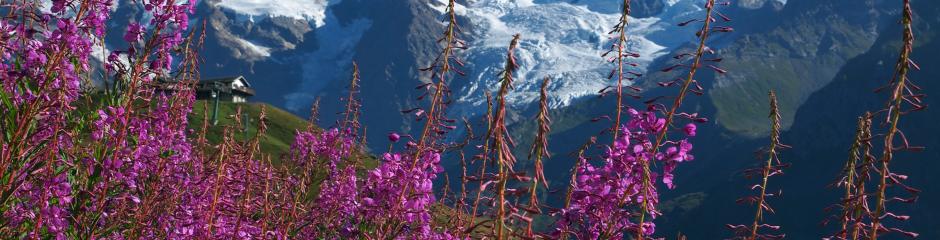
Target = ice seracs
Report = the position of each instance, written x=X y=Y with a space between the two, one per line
x=308 y=10
x=254 y=50
x=563 y=39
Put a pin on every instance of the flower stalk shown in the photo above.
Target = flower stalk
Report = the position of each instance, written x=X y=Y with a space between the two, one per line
x=901 y=93
x=697 y=61
x=502 y=142
x=539 y=150
x=771 y=167
x=621 y=45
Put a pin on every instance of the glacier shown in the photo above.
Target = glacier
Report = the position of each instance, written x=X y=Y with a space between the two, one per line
x=307 y=10
x=563 y=40
x=254 y=49
x=329 y=62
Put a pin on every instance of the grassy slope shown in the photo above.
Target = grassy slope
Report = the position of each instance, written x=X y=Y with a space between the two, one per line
x=281 y=124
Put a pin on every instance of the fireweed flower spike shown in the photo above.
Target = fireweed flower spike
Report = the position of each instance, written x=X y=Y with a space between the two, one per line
x=440 y=70
x=647 y=191
x=314 y=153
x=903 y=95
x=502 y=142
x=589 y=216
x=484 y=156
x=620 y=48
x=539 y=150
x=350 y=122
x=859 y=195
x=854 y=177
x=772 y=167
x=596 y=207
x=461 y=203
x=422 y=162
x=400 y=189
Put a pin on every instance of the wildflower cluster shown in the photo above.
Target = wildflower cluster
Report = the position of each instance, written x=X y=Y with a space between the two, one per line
x=606 y=201
x=73 y=175
x=325 y=154
x=383 y=197
x=599 y=194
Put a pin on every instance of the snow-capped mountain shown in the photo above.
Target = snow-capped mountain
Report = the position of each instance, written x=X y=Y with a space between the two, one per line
x=562 y=39
x=298 y=50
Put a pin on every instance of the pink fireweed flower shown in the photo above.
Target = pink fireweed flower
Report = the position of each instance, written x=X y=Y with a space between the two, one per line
x=689 y=129
x=134 y=32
